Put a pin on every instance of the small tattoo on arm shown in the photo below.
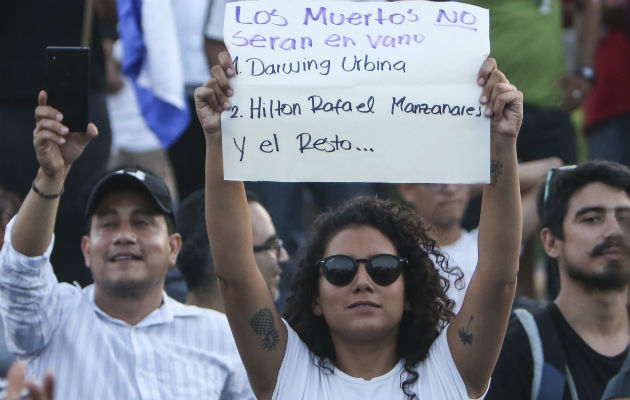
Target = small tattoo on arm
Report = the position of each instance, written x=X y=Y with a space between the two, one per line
x=262 y=324
x=464 y=335
x=496 y=169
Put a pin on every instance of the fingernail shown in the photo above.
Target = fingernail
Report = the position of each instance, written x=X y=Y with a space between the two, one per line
x=230 y=71
x=229 y=92
x=481 y=81
x=483 y=99
x=227 y=105
x=64 y=130
x=59 y=117
x=488 y=112
x=62 y=141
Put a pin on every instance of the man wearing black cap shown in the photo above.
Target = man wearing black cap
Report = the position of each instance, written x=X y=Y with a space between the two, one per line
x=122 y=337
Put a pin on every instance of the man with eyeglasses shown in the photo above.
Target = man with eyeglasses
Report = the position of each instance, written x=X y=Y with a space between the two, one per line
x=195 y=258
x=269 y=250
x=574 y=345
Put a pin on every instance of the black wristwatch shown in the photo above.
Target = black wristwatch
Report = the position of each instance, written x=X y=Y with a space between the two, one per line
x=586 y=72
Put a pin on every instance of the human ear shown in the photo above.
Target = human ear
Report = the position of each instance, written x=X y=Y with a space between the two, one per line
x=550 y=243
x=175 y=244
x=317 y=309
x=85 y=249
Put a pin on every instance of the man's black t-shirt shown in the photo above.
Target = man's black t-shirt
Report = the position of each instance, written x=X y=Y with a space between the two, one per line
x=512 y=376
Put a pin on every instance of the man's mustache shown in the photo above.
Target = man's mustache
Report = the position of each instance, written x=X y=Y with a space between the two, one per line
x=600 y=248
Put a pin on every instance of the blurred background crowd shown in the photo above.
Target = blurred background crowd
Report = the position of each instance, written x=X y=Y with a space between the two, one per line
x=570 y=58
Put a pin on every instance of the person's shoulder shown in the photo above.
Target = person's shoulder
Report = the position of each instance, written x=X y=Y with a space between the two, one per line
x=515 y=326
x=206 y=318
x=73 y=295
x=516 y=340
x=187 y=310
x=206 y=323
x=513 y=372
x=212 y=315
x=472 y=234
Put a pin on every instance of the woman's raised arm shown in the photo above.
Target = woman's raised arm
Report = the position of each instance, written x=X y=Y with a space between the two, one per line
x=260 y=334
x=476 y=334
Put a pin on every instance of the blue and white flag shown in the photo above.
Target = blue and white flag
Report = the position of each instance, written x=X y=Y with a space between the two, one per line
x=152 y=60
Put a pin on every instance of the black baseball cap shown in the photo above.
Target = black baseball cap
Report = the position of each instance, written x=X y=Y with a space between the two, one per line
x=132 y=177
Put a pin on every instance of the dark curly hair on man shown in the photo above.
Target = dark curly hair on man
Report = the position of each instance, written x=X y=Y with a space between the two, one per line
x=428 y=308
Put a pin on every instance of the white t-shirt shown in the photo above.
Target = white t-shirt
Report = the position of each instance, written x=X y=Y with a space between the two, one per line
x=464 y=254
x=214 y=23
x=301 y=379
x=190 y=18
x=130 y=131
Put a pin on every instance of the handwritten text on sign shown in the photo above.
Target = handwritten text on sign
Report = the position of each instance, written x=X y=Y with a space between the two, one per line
x=356 y=92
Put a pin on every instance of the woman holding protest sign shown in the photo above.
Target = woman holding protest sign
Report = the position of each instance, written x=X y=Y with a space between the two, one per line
x=369 y=317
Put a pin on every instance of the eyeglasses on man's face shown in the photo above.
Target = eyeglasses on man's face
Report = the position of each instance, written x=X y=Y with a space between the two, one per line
x=273 y=243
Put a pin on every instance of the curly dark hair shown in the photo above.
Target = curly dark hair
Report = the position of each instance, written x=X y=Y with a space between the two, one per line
x=428 y=309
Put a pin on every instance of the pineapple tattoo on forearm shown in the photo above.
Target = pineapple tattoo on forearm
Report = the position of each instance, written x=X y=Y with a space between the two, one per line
x=262 y=324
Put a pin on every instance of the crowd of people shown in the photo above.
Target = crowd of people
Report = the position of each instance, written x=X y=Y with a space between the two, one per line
x=135 y=271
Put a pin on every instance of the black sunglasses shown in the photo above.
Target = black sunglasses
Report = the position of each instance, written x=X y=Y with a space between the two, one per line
x=383 y=269
x=548 y=179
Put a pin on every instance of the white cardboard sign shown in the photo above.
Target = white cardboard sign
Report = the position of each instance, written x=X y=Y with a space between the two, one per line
x=336 y=91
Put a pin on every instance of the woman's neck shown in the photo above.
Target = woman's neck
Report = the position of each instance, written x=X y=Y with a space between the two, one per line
x=365 y=360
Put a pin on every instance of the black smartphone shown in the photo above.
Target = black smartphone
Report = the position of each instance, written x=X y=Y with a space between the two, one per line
x=67 y=79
